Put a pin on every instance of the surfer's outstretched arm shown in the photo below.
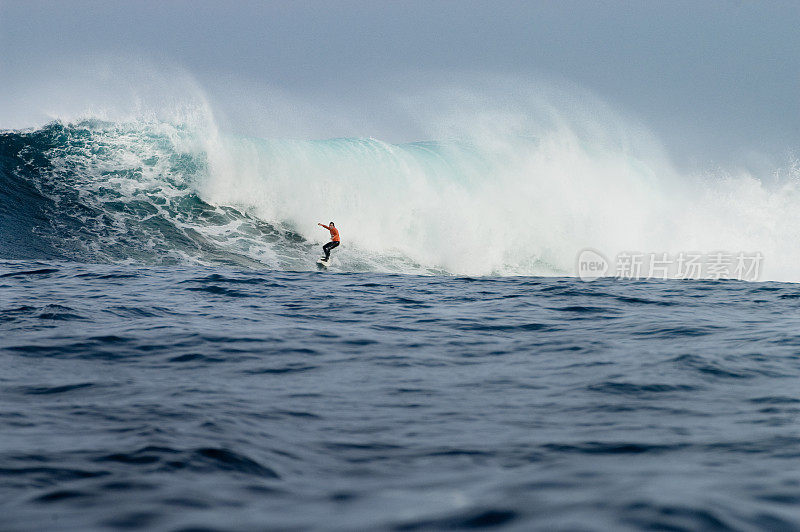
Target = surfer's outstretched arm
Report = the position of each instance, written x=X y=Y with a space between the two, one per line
x=325 y=226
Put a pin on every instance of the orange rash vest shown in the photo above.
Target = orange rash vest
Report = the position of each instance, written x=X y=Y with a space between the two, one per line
x=334 y=232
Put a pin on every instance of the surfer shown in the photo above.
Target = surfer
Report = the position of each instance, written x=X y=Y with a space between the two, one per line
x=334 y=240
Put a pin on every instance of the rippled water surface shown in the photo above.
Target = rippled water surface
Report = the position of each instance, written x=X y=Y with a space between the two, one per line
x=209 y=399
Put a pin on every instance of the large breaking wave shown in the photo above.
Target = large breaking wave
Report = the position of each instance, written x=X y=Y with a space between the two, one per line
x=154 y=192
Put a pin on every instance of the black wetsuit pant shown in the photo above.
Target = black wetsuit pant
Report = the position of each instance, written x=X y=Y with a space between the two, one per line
x=328 y=247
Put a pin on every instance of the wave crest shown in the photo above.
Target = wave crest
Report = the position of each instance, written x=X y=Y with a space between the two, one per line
x=158 y=193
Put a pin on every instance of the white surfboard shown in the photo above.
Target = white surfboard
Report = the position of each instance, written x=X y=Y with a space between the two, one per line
x=323 y=264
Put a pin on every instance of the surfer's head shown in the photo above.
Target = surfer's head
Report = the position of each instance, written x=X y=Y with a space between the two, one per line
x=330 y=223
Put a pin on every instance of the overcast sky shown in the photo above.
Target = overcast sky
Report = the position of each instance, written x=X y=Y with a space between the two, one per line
x=710 y=78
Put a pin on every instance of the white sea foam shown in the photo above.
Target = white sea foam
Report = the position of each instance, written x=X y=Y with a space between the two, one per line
x=494 y=201
x=519 y=179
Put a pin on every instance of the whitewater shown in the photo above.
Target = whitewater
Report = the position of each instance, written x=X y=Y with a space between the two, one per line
x=495 y=195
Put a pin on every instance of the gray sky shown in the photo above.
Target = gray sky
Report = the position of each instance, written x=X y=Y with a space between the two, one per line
x=715 y=80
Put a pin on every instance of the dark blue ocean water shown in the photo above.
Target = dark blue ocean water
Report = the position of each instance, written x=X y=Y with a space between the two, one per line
x=191 y=398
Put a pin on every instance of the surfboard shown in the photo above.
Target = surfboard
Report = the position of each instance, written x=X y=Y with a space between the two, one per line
x=322 y=264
